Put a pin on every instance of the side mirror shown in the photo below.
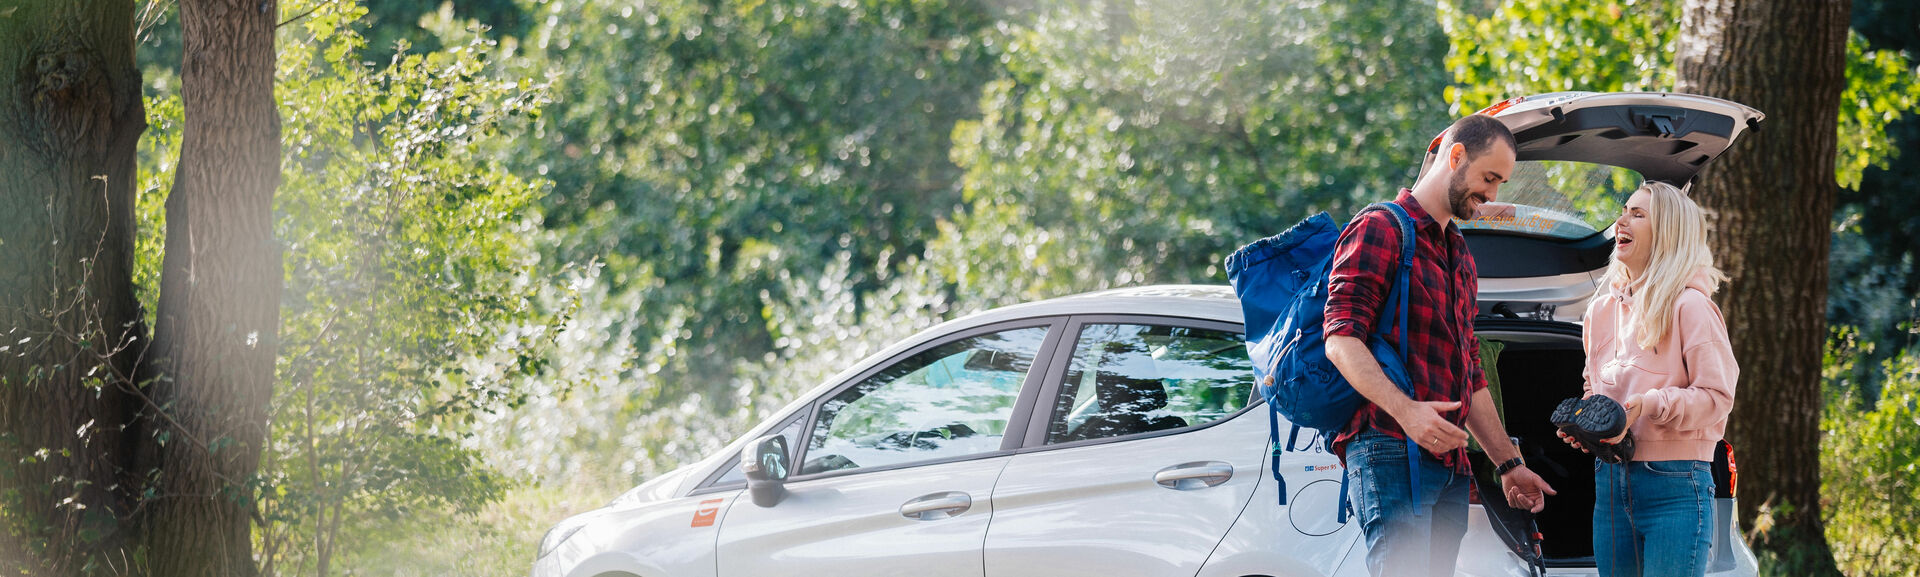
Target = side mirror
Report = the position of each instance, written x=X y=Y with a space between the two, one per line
x=765 y=464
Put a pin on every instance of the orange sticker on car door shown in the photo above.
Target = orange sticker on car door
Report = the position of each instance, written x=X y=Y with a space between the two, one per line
x=709 y=510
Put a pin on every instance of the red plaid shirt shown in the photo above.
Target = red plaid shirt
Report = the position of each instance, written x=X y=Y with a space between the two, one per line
x=1443 y=357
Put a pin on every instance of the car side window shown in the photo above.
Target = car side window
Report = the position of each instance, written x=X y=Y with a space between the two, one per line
x=949 y=401
x=1127 y=379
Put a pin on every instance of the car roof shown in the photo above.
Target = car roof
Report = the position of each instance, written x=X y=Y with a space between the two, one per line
x=1209 y=302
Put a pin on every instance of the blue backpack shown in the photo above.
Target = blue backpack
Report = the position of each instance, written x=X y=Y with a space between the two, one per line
x=1282 y=285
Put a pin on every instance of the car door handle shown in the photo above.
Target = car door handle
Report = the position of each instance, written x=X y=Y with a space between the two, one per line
x=937 y=506
x=1195 y=475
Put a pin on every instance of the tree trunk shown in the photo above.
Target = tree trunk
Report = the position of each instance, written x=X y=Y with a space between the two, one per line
x=70 y=118
x=216 y=331
x=1774 y=196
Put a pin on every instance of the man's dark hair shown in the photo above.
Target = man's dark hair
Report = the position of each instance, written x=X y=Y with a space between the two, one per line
x=1478 y=132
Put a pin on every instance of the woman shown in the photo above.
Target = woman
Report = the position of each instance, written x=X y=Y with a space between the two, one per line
x=1656 y=344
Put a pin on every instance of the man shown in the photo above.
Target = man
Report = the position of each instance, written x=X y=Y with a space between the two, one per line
x=1420 y=534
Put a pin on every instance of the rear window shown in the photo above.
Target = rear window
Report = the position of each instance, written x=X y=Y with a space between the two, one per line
x=1560 y=199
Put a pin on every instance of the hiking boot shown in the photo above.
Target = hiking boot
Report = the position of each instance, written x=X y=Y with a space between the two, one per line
x=1592 y=421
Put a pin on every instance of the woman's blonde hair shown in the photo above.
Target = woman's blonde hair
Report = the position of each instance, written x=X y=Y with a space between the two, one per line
x=1678 y=252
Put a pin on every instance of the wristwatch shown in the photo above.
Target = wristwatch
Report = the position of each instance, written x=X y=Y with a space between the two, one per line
x=1510 y=465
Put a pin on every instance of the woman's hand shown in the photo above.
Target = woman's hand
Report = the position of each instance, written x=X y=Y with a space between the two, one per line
x=1633 y=416
x=1570 y=441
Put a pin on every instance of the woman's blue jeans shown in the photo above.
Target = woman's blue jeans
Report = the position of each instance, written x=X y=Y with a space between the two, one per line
x=1652 y=518
x=1405 y=536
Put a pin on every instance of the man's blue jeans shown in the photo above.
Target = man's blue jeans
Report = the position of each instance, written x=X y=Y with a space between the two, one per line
x=1652 y=518
x=1406 y=536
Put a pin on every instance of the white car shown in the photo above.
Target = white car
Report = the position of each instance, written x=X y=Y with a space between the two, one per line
x=1116 y=433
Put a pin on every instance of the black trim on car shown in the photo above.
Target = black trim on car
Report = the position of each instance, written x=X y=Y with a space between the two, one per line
x=1668 y=143
x=1497 y=324
x=1527 y=256
x=1054 y=325
x=896 y=466
x=1063 y=355
x=1038 y=413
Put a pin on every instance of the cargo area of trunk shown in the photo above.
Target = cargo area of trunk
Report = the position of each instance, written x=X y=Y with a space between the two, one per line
x=1537 y=370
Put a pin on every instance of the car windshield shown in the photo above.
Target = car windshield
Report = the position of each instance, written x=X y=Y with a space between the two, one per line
x=1560 y=199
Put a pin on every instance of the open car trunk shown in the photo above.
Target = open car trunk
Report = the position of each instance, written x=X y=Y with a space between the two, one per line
x=1539 y=366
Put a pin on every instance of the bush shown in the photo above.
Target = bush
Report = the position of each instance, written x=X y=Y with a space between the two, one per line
x=1869 y=461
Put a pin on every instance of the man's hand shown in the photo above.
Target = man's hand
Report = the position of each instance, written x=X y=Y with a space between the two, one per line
x=1494 y=210
x=1422 y=423
x=1525 y=490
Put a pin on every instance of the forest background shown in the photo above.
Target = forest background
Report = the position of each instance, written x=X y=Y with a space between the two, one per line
x=537 y=251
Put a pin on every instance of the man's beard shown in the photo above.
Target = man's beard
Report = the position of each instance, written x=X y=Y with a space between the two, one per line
x=1457 y=196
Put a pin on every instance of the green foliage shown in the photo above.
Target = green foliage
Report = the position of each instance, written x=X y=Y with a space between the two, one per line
x=498 y=540
x=1871 y=463
x=705 y=149
x=1882 y=86
x=389 y=23
x=1875 y=275
x=1143 y=142
x=1525 y=48
x=411 y=280
x=159 y=154
x=409 y=305
x=718 y=155
x=1877 y=294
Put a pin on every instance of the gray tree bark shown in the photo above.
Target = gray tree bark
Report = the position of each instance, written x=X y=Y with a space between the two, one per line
x=70 y=325
x=1774 y=196
x=216 y=333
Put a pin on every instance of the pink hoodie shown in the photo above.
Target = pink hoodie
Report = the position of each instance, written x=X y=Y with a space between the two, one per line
x=1685 y=384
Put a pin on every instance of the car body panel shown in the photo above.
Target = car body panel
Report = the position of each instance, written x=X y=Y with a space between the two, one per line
x=1095 y=510
x=852 y=526
x=655 y=538
x=1301 y=538
x=1483 y=553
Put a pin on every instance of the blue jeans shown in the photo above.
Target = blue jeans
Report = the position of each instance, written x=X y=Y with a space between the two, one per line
x=1652 y=518
x=1406 y=536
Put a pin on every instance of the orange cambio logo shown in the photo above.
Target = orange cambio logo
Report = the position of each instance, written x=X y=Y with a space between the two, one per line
x=709 y=510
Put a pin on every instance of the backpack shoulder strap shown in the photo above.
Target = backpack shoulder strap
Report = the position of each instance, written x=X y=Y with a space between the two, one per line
x=1398 y=298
